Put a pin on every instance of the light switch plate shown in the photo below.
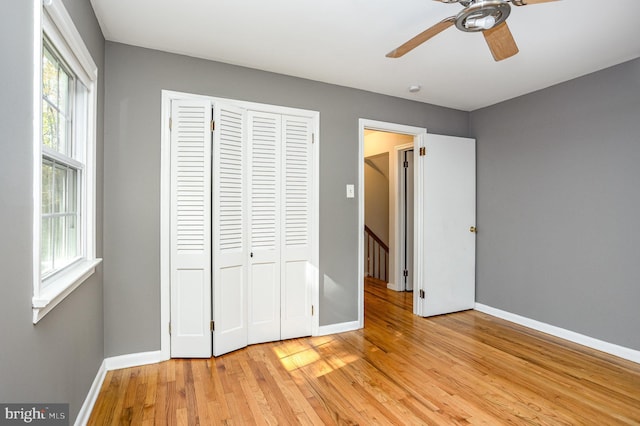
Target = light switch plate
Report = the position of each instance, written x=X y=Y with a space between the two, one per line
x=351 y=191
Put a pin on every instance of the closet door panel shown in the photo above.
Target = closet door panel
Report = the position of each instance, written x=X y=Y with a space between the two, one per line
x=232 y=296
x=229 y=223
x=296 y=298
x=297 y=219
x=264 y=311
x=190 y=221
x=264 y=131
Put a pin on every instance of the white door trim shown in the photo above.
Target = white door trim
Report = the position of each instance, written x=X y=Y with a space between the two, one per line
x=397 y=221
x=419 y=134
x=165 y=202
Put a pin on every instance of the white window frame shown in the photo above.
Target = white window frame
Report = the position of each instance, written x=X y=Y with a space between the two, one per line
x=53 y=21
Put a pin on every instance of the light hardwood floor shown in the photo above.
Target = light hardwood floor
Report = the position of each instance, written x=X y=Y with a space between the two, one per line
x=458 y=369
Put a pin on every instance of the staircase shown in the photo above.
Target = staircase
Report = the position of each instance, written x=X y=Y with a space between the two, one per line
x=376 y=254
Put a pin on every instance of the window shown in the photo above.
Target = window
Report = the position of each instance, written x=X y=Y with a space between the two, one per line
x=61 y=170
x=64 y=169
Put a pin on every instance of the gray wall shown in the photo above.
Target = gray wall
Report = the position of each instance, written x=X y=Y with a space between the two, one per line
x=558 y=201
x=135 y=78
x=376 y=195
x=57 y=359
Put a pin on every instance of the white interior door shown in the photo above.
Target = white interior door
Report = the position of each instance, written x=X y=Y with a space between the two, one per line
x=297 y=223
x=229 y=226
x=190 y=223
x=264 y=130
x=446 y=266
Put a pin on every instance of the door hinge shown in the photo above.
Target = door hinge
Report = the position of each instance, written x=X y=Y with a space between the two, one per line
x=405 y=273
x=169 y=329
x=311 y=310
x=422 y=295
x=423 y=151
x=405 y=164
x=213 y=125
x=170 y=123
x=313 y=138
x=213 y=326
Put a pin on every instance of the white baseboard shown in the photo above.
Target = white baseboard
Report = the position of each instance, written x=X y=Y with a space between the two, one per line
x=92 y=396
x=133 y=360
x=392 y=286
x=108 y=364
x=590 y=342
x=338 y=328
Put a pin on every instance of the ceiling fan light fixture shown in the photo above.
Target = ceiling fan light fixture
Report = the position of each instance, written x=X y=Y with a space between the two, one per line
x=485 y=22
x=482 y=15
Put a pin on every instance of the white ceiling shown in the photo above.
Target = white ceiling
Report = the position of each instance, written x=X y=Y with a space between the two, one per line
x=344 y=42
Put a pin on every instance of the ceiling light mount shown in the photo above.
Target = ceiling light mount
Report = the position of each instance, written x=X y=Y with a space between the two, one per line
x=482 y=15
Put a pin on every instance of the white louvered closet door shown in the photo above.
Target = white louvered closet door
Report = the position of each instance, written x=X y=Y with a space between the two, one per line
x=229 y=226
x=297 y=218
x=264 y=131
x=190 y=229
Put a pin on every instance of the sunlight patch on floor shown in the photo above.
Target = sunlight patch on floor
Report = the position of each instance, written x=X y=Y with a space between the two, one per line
x=294 y=356
x=297 y=360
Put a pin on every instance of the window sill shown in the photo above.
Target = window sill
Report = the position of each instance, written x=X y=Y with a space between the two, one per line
x=61 y=287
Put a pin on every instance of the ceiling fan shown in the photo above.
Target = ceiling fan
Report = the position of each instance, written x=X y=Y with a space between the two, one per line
x=488 y=16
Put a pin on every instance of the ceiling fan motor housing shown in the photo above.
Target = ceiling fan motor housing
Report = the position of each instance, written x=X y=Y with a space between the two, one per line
x=482 y=15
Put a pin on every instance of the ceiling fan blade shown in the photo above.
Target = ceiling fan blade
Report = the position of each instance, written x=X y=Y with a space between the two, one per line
x=422 y=37
x=501 y=42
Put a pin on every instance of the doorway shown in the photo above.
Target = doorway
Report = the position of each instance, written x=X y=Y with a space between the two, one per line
x=390 y=145
x=444 y=220
x=388 y=208
x=376 y=216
